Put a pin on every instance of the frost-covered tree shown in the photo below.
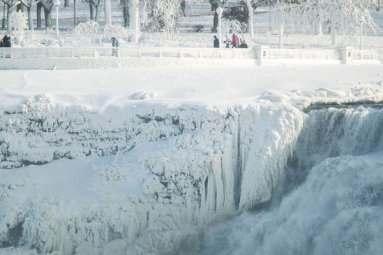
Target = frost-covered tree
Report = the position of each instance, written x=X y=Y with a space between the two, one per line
x=241 y=11
x=10 y=4
x=29 y=4
x=335 y=16
x=19 y=21
x=164 y=15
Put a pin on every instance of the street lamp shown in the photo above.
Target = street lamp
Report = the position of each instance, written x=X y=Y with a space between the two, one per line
x=57 y=3
x=361 y=21
x=219 y=12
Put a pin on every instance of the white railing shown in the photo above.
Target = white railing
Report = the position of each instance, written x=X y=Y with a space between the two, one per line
x=94 y=52
x=302 y=54
x=364 y=54
x=346 y=55
x=262 y=54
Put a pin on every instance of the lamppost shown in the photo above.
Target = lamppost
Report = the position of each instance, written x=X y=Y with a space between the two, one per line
x=57 y=3
x=281 y=28
x=219 y=12
x=361 y=21
x=3 y=21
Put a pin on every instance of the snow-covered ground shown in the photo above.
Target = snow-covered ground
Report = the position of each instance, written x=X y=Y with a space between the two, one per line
x=147 y=160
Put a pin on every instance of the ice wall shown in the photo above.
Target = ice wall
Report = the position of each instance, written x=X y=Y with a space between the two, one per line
x=197 y=160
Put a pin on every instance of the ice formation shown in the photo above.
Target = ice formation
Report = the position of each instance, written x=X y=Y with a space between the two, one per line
x=174 y=167
x=152 y=178
x=332 y=202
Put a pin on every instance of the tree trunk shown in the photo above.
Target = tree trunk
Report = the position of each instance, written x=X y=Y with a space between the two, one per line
x=91 y=9
x=215 y=23
x=9 y=12
x=97 y=12
x=48 y=18
x=74 y=13
x=39 y=6
x=125 y=12
x=108 y=13
x=30 y=19
x=3 y=21
x=66 y=3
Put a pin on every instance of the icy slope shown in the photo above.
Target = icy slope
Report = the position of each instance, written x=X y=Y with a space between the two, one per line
x=175 y=166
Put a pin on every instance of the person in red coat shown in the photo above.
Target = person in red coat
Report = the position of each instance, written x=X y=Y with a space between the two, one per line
x=234 y=41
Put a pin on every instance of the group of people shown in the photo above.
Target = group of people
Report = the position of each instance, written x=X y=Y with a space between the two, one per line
x=234 y=42
x=6 y=41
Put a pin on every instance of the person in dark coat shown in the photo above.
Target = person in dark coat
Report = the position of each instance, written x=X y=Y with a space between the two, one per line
x=216 y=42
x=6 y=41
x=243 y=44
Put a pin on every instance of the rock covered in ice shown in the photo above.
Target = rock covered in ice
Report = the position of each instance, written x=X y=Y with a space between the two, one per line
x=143 y=95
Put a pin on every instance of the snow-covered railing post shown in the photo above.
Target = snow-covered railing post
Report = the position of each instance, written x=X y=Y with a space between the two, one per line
x=94 y=52
x=72 y=52
x=181 y=55
x=139 y=52
x=261 y=53
x=346 y=55
x=281 y=36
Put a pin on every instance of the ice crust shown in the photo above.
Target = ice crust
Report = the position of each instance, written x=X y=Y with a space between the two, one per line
x=161 y=172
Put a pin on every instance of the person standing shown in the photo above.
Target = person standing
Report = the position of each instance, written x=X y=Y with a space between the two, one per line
x=234 y=41
x=115 y=45
x=216 y=42
x=243 y=44
x=227 y=41
x=183 y=6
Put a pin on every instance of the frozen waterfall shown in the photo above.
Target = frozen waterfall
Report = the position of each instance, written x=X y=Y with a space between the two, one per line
x=332 y=201
x=140 y=179
x=156 y=179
